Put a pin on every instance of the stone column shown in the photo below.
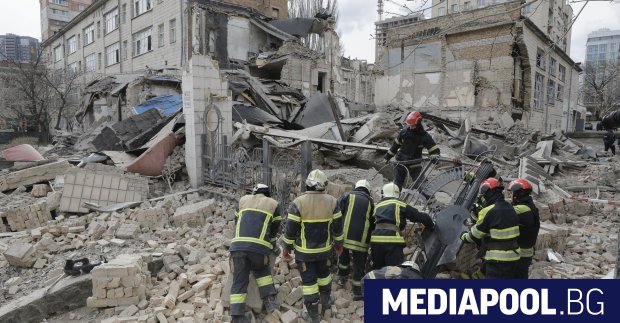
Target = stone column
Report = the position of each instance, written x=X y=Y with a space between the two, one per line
x=203 y=84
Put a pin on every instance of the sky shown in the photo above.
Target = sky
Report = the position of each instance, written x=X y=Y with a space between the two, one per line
x=356 y=24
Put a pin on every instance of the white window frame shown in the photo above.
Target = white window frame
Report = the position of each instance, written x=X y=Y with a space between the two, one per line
x=561 y=73
x=142 y=42
x=161 y=30
x=57 y=53
x=481 y=3
x=113 y=54
x=72 y=44
x=60 y=2
x=173 y=31
x=550 y=91
x=112 y=20
x=89 y=30
x=91 y=63
x=141 y=6
x=539 y=79
x=441 y=11
x=453 y=6
x=73 y=67
x=559 y=94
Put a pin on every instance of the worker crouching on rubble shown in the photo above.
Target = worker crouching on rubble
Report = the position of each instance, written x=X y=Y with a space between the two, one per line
x=529 y=223
x=258 y=222
x=391 y=215
x=496 y=232
x=314 y=220
x=408 y=145
x=357 y=208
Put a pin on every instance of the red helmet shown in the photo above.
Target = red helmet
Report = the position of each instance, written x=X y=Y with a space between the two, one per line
x=520 y=184
x=490 y=184
x=414 y=118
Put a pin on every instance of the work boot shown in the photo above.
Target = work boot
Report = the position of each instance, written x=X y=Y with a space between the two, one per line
x=246 y=318
x=326 y=302
x=311 y=313
x=358 y=294
x=271 y=303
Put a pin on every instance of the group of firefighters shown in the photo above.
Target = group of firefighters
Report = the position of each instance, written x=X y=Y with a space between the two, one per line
x=317 y=223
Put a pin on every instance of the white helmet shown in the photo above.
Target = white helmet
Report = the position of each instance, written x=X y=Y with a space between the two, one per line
x=261 y=189
x=390 y=190
x=317 y=179
x=363 y=183
x=411 y=265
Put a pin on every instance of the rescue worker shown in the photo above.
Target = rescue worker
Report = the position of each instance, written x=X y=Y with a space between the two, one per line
x=391 y=216
x=608 y=141
x=496 y=232
x=529 y=223
x=357 y=209
x=258 y=221
x=408 y=145
x=314 y=222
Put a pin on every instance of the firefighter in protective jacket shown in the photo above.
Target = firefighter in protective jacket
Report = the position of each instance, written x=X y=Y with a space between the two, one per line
x=357 y=210
x=258 y=221
x=529 y=223
x=391 y=215
x=408 y=145
x=496 y=232
x=314 y=222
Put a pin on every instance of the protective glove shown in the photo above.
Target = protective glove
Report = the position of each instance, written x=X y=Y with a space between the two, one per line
x=339 y=249
x=463 y=235
x=286 y=254
x=386 y=158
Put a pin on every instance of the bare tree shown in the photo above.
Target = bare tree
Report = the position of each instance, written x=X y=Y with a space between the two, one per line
x=310 y=9
x=601 y=86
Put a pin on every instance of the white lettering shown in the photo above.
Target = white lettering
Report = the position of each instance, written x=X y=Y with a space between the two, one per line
x=468 y=303
x=545 y=309
x=535 y=301
x=415 y=300
x=389 y=302
x=433 y=294
x=600 y=304
x=452 y=301
x=488 y=298
x=504 y=303
x=571 y=300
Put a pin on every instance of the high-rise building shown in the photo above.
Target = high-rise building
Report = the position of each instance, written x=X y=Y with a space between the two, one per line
x=55 y=14
x=553 y=17
x=18 y=48
x=601 y=83
x=603 y=45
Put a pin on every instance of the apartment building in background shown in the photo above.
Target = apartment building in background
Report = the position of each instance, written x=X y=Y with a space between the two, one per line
x=18 y=48
x=56 y=14
x=601 y=81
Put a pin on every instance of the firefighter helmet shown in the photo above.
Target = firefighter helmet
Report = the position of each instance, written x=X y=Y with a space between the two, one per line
x=390 y=190
x=261 y=189
x=317 y=179
x=364 y=184
x=414 y=118
x=520 y=188
x=489 y=188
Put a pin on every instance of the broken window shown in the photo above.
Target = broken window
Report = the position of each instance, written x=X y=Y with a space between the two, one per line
x=91 y=63
x=141 y=6
x=561 y=72
x=321 y=82
x=560 y=92
x=540 y=59
x=550 y=91
x=142 y=42
x=552 y=66
x=538 y=84
x=112 y=54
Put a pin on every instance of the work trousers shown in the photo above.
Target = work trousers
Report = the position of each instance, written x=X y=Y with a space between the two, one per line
x=610 y=146
x=316 y=278
x=386 y=254
x=242 y=263
x=400 y=174
x=523 y=266
x=500 y=269
x=359 y=265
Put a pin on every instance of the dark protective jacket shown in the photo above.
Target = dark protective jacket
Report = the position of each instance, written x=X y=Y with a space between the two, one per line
x=409 y=143
x=258 y=221
x=609 y=138
x=497 y=230
x=529 y=225
x=314 y=221
x=391 y=217
x=357 y=209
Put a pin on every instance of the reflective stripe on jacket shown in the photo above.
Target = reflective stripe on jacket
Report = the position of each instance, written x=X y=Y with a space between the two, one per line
x=393 y=211
x=409 y=143
x=258 y=221
x=497 y=229
x=357 y=209
x=314 y=221
x=529 y=225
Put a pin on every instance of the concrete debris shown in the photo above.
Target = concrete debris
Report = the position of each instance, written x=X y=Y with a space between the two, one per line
x=33 y=175
x=20 y=255
x=121 y=282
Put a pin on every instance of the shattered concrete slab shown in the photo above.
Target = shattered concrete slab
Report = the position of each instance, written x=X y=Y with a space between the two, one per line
x=20 y=255
x=28 y=217
x=33 y=175
x=102 y=185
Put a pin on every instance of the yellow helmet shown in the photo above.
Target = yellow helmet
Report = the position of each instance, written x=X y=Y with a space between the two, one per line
x=390 y=190
x=317 y=179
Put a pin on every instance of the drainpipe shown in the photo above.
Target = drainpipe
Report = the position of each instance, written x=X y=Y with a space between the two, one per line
x=570 y=90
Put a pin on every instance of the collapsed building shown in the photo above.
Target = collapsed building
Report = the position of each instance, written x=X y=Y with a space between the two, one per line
x=478 y=64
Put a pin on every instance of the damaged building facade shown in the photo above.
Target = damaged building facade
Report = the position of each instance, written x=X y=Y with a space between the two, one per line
x=477 y=65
